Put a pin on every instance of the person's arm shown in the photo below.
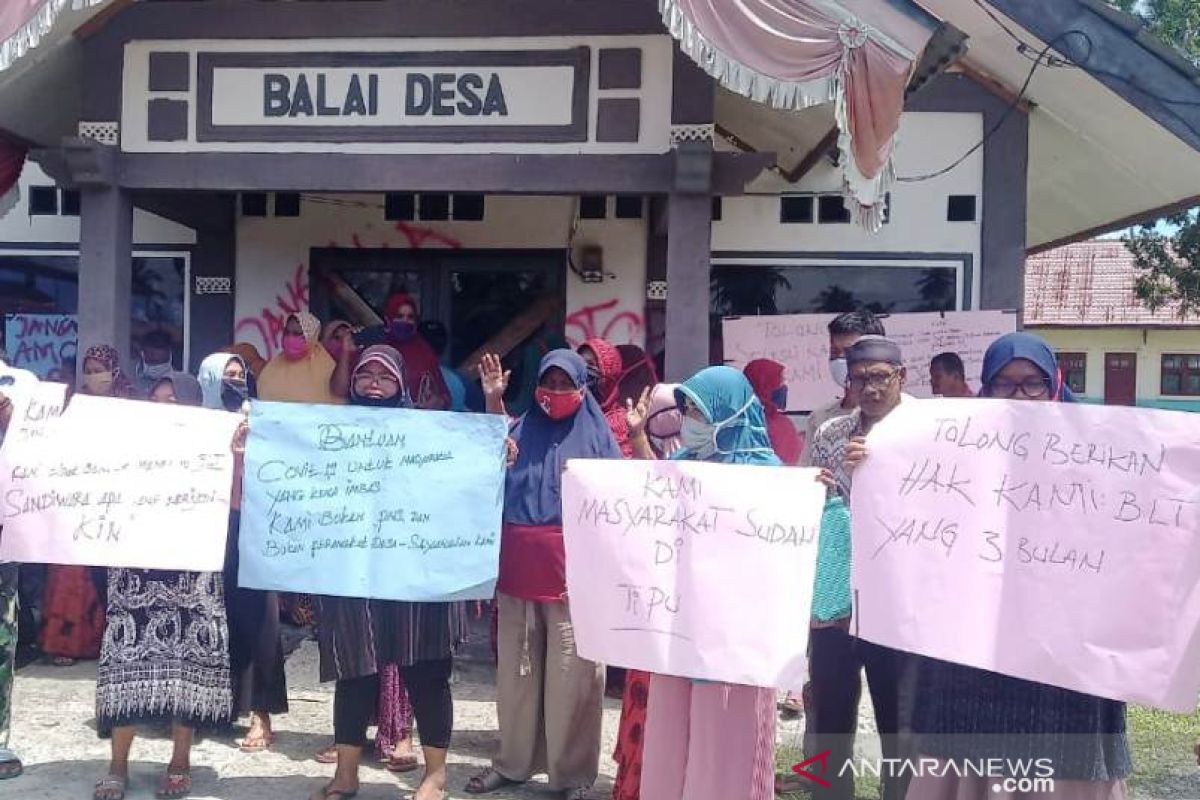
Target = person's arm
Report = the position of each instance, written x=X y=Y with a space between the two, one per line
x=339 y=383
x=494 y=379
x=6 y=413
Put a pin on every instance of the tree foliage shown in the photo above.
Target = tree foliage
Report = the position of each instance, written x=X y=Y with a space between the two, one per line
x=1167 y=252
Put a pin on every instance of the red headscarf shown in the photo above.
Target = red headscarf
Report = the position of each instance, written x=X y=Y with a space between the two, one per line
x=607 y=390
x=766 y=376
x=422 y=370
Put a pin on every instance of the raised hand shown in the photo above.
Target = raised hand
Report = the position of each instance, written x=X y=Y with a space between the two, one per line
x=636 y=414
x=493 y=376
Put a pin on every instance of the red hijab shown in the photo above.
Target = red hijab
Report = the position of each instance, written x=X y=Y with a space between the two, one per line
x=422 y=370
x=766 y=376
x=607 y=390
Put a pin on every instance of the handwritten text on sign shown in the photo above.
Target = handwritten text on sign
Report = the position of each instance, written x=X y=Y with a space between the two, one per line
x=668 y=560
x=41 y=343
x=379 y=503
x=1056 y=543
x=121 y=483
x=35 y=408
x=801 y=343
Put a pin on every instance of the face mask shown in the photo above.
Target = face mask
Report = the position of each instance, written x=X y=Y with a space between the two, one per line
x=155 y=372
x=558 y=405
x=99 y=383
x=839 y=371
x=377 y=402
x=779 y=398
x=233 y=394
x=699 y=437
x=295 y=346
x=403 y=329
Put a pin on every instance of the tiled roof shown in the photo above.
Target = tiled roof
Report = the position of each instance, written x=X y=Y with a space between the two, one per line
x=1090 y=284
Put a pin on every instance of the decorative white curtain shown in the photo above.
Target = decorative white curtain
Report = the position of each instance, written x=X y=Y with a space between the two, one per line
x=793 y=54
x=23 y=23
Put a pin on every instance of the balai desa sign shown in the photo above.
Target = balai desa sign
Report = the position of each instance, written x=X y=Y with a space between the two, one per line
x=521 y=96
x=564 y=94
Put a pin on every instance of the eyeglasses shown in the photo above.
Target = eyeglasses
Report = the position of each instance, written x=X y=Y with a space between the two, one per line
x=1032 y=387
x=383 y=379
x=875 y=380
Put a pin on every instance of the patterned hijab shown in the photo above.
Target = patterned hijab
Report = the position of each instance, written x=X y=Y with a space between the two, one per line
x=108 y=356
x=664 y=420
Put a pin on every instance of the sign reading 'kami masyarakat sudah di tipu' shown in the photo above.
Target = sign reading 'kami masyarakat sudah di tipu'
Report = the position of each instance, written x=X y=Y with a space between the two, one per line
x=693 y=569
x=391 y=504
x=1052 y=542
x=118 y=483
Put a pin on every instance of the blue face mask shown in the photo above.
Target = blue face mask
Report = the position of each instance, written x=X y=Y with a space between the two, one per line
x=779 y=398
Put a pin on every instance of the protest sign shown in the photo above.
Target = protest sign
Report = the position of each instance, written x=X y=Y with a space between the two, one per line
x=35 y=407
x=41 y=343
x=693 y=569
x=1046 y=541
x=801 y=343
x=391 y=504
x=121 y=483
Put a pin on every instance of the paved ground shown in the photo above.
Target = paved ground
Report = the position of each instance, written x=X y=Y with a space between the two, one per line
x=54 y=732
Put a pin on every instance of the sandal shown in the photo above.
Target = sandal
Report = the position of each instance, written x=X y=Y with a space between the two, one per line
x=403 y=763
x=110 y=787
x=10 y=765
x=487 y=781
x=174 y=785
x=327 y=755
x=260 y=744
x=327 y=792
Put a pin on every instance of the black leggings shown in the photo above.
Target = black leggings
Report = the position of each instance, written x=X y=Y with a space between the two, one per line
x=428 y=685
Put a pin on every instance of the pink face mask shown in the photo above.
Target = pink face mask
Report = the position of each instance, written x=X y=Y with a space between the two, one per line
x=295 y=346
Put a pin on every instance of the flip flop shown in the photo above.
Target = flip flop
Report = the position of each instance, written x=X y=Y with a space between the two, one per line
x=327 y=755
x=110 y=787
x=174 y=785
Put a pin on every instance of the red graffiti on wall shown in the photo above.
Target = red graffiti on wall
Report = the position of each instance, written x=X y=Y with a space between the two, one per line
x=604 y=321
x=269 y=323
x=265 y=329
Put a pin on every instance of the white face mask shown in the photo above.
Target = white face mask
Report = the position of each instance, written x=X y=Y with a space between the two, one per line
x=699 y=437
x=155 y=371
x=839 y=371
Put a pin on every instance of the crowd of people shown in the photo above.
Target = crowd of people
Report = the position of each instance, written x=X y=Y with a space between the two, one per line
x=197 y=651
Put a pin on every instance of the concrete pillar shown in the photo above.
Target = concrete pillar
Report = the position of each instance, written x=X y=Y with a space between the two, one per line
x=689 y=255
x=215 y=257
x=105 y=269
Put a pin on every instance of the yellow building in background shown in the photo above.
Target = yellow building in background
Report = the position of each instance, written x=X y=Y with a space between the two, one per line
x=1112 y=349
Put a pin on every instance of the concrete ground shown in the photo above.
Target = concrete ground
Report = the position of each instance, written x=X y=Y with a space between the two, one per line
x=54 y=733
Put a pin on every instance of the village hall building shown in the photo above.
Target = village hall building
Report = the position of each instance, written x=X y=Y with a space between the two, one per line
x=618 y=168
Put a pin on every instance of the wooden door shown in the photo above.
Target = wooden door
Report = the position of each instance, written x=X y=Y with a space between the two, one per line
x=1120 y=379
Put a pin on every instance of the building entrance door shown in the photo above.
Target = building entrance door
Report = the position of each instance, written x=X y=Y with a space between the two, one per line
x=1120 y=379
x=500 y=300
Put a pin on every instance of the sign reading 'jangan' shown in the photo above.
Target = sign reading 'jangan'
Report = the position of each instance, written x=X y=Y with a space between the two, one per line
x=394 y=96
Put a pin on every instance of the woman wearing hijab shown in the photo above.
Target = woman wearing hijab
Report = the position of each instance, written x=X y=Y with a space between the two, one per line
x=664 y=420
x=548 y=698
x=165 y=657
x=766 y=376
x=303 y=371
x=422 y=370
x=966 y=713
x=358 y=638
x=73 y=616
x=255 y=646
x=710 y=741
x=604 y=371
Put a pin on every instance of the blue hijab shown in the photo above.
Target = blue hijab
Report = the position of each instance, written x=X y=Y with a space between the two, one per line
x=727 y=400
x=1010 y=347
x=533 y=487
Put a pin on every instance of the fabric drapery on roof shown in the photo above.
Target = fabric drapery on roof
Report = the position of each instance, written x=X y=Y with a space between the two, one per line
x=23 y=23
x=792 y=54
